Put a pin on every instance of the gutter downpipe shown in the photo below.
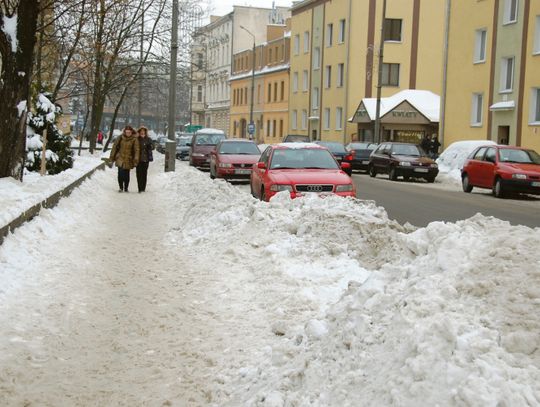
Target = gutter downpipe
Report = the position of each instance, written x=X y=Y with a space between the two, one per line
x=442 y=121
x=347 y=58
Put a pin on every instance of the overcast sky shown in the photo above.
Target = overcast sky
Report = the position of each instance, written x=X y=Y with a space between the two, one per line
x=222 y=7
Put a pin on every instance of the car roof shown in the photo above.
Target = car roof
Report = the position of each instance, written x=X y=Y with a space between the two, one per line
x=294 y=146
x=228 y=140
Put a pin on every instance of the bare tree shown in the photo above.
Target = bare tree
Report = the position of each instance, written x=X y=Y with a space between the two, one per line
x=18 y=20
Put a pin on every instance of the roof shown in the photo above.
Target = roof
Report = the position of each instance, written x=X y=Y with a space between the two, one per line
x=426 y=102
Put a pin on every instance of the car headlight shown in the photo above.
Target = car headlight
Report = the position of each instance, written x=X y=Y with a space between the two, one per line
x=434 y=165
x=344 y=188
x=197 y=155
x=281 y=187
x=405 y=164
x=225 y=165
x=519 y=176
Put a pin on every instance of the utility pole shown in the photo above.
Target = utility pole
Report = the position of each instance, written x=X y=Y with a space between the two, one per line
x=139 y=113
x=251 y=126
x=377 y=132
x=170 y=145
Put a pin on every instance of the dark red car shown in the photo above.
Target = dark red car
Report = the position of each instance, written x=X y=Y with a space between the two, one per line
x=299 y=168
x=502 y=169
x=233 y=159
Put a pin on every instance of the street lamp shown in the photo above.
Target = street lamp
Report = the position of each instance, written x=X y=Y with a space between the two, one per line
x=170 y=145
x=377 y=135
x=251 y=127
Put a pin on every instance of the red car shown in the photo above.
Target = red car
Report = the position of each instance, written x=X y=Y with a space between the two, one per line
x=233 y=159
x=299 y=168
x=503 y=169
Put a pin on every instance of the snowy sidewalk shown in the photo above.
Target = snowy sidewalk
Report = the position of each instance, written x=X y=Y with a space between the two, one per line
x=195 y=294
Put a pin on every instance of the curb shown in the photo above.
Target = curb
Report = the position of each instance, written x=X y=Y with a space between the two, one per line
x=47 y=203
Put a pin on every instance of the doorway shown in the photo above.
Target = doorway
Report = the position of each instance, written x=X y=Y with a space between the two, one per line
x=313 y=135
x=503 y=135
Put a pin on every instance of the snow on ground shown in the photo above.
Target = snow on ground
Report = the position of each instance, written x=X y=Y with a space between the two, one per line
x=452 y=159
x=194 y=293
x=16 y=197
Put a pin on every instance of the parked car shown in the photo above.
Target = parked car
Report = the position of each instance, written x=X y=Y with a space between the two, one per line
x=160 y=144
x=338 y=151
x=360 y=154
x=296 y=138
x=233 y=159
x=502 y=169
x=402 y=160
x=201 y=144
x=182 y=147
x=299 y=169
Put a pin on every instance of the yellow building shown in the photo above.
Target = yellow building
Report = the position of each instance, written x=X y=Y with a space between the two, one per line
x=270 y=88
x=492 y=90
x=334 y=60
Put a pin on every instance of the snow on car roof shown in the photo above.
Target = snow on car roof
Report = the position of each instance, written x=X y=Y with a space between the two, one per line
x=298 y=145
x=209 y=131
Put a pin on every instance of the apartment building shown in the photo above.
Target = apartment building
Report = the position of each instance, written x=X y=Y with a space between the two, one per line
x=492 y=90
x=270 y=88
x=334 y=60
x=212 y=52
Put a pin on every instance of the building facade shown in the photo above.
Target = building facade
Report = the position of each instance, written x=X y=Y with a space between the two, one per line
x=334 y=59
x=492 y=90
x=270 y=88
x=212 y=52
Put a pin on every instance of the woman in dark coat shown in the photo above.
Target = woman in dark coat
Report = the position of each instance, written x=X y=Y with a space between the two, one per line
x=145 y=147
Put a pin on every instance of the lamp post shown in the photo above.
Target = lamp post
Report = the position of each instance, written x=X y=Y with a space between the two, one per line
x=170 y=145
x=251 y=127
x=377 y=135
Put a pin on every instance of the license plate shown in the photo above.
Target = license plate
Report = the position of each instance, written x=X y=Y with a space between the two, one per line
x=242 y=172
x=535 y=184
x=365 y=162
x=421 y=170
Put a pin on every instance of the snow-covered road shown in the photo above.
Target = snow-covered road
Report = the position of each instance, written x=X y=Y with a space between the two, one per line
x=195 y=294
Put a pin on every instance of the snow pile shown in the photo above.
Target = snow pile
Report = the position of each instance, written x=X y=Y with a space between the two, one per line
x=452 y=159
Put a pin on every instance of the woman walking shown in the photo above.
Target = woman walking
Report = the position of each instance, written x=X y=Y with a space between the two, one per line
x=125 y=154
x=145 y=147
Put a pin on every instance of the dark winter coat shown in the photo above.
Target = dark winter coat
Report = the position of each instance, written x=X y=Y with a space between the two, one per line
x=145 y=147
x=125 y=152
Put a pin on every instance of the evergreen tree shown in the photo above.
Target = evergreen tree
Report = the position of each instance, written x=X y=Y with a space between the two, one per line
x=59 y=155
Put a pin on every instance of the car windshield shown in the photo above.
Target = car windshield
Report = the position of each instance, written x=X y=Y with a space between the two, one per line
x=182 y=141
x=406 y=149
x=509 y=155
x=239 y=147
x=296 y=138
x=334 y=147
x=208 y=139
x=298 y=158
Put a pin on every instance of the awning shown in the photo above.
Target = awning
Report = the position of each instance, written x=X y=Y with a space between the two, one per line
x=313 y=117
x=508 y=105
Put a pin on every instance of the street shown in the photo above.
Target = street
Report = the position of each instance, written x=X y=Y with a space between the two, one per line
x=419 y=203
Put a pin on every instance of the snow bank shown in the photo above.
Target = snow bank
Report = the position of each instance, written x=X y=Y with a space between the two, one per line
x=452 y=159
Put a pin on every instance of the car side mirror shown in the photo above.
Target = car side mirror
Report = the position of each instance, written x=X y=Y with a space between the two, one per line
x=261 y=165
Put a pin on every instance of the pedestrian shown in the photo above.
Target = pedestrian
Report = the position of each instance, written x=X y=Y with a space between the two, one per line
x=125 y=154
x=426 y=144
x=100 y=137
x=435 y=145
x=145 y=157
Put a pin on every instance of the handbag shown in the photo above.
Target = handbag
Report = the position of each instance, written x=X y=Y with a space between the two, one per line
x=150 y=154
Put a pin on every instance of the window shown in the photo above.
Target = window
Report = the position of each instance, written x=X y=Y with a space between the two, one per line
x=281 y=128
x=295 y=82
x=268 y=128
x=277 y=54
x=328 y=76
x=480 y=46
x=269 y=92
x=535 y=106
x=296 y=44
x=305 y=81
x=392 y=29
x=339 y=118
x=476 y=110
x=245 y=95
x=507 y=74
x=270 y=55
x=329 y=34
x=306 y=42
x=340 y=70
x=316 y=58
x=282 y=90
x=199 y=93
x=199 y=61
x=536 y=49
x=273 y=128
x=341 y=34
x=480 y=154
x=327 y=118
x=510 y=11
x=490 y=155
x=259 y=93
x=304 y=119
x=315 y=98
x=390 y=75
x=275 y=91
x=294 y=119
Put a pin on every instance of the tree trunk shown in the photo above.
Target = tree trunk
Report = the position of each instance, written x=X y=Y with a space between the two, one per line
x=15 y=88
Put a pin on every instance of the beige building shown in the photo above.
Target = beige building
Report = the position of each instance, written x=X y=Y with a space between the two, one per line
x=334 y=60
x=493 y=86
x=212 y=52
x=270 y=85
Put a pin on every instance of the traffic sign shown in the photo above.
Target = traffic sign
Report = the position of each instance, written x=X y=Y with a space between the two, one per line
x=251 y=128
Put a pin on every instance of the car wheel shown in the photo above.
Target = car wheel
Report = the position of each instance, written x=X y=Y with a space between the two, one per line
x=372 y=171
x=392 y=174
x=406 y=178
x=467 y=187
x=251 y=190
x=498 y=190
x=431 y=179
